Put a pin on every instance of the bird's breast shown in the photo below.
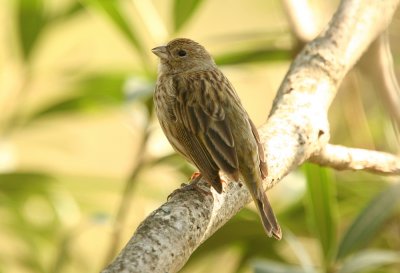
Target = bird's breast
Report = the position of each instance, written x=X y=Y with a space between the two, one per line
x=164 y=100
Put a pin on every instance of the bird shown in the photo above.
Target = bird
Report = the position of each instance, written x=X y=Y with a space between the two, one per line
x=204 y=120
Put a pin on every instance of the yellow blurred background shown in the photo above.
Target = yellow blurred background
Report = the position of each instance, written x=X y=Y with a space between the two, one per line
x=75 y=97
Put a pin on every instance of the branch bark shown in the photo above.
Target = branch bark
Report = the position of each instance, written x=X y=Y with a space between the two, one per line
x=297 y=128
x=344 y=158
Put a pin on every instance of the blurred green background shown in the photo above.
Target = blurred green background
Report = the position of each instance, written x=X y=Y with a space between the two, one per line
x=83 y=160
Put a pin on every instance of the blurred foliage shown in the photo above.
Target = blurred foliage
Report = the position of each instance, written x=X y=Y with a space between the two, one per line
x=31 y=21
x=92 y=93
x=182 y=11
x=321 y=209
x=52 y=219
x=369 y=221
x=115 y=13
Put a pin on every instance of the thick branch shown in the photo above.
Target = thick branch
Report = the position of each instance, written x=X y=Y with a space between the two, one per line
x=344 y=158
x=296 y=129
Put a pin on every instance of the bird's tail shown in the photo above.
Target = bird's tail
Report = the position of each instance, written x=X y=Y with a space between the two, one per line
x=267 y=215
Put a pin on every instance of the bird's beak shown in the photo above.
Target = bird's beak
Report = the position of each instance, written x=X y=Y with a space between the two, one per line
x=160 y=51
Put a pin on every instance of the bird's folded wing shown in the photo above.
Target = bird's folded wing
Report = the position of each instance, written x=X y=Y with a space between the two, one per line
x=199 y=106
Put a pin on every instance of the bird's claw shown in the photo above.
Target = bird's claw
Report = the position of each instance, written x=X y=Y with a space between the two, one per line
x=194 y=179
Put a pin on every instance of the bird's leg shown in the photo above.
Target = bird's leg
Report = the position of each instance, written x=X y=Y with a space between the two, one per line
x=195 y=175
x=194 y=179
x=224 y=184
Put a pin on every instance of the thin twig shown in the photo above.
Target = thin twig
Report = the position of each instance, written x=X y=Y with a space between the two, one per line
x=344 y=158
x=303 y=21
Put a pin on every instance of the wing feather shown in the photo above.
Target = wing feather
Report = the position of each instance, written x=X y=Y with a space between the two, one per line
x=199 y=107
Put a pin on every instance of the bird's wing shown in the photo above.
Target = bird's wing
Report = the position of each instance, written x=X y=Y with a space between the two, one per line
x=200 y=101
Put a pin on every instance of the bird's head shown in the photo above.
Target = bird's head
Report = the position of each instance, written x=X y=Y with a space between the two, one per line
x=183 y=55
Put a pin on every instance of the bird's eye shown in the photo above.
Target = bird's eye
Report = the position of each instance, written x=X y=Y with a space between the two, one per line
x=181 y=53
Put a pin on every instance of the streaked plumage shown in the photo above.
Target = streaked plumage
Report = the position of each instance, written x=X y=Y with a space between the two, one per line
x=204 y=121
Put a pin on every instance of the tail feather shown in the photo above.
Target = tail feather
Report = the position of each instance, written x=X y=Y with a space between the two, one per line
x=267 y=216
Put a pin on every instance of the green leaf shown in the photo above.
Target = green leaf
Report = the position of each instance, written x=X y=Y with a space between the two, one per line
x=254 y=55
x=368 y=222
x=369 y=260
x=113 y=10
x=24 y=183
x=182 y=11
x=322 y=208
x=268 y=266
x=31 y=21
x=73 y=9
x=92 y=92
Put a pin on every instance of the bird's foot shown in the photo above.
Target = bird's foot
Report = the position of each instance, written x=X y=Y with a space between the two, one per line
x=194 y=180
x=195 y=175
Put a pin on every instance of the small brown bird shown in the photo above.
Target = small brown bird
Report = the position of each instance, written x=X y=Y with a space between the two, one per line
x=204 y=120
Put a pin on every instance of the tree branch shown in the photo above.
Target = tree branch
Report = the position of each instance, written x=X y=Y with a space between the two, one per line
x=303 y=21
x=343 y=158
x=297 y=128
